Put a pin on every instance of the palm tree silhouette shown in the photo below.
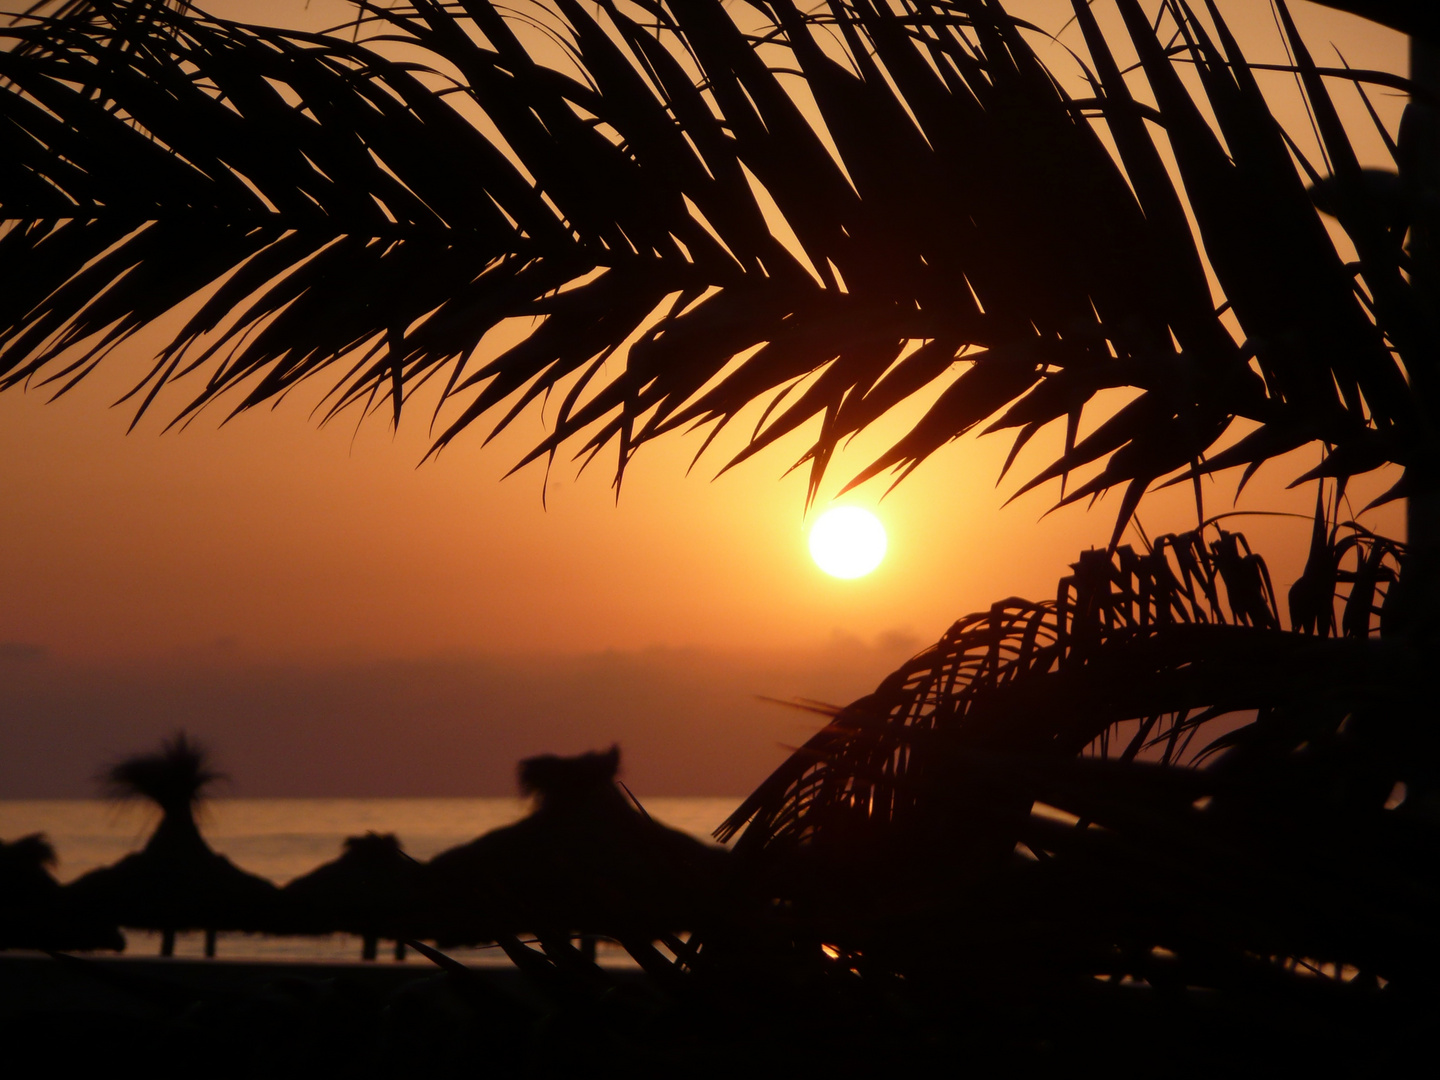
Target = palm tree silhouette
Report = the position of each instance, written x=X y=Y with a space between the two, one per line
x=176 y=882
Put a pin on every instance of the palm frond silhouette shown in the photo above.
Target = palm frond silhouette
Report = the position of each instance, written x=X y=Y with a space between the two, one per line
x=1143 y=799
x=1172 y=658
x=320 y=208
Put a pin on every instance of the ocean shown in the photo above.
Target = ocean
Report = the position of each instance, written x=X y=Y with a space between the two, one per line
x=283 y=838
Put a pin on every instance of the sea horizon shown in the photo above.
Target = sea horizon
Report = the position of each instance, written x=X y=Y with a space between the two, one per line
x=282 y=838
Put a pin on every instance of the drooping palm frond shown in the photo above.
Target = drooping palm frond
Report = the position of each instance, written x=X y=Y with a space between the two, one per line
x=1147 y=778
x=324 y=206
x=174 y=779
x=1189 y=615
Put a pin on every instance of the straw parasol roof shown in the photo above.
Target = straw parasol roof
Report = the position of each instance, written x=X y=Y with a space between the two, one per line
x=34 y=912
x=587 y=859
x=176 y=882
x=369 y=890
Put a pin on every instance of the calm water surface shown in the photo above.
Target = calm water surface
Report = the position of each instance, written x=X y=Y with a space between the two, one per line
x=283 y=838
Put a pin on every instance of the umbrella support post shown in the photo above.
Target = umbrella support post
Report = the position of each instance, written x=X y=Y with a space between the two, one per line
x=167 y=941
x=587 y=947
x=400 y=950
x=369 y=947
x=210 y=944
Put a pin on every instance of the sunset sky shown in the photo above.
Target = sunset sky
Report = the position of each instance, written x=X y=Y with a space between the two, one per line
x=339 y=619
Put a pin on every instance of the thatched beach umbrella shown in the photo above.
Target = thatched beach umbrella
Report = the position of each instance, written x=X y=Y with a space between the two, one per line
x=176 y=882
x=369 y=890
x=586 y=860
x=35 y=912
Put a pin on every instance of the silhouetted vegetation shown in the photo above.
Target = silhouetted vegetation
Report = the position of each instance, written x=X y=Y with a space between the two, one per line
x=973 y=215
x=1144 y=790
x=1145 y=825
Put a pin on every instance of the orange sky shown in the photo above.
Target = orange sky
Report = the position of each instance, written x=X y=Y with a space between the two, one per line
x=273 y=542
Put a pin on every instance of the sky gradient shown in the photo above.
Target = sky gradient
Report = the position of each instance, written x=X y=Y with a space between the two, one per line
x=339 y=621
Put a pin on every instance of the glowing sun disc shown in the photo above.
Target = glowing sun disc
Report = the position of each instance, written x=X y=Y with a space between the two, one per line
x=847 y=542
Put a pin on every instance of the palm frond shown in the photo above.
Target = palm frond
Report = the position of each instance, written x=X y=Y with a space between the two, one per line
x=326 y=210
x=1194 y=612
x=1153 y=747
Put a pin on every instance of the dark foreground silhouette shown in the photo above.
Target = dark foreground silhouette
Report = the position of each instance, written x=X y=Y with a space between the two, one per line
x=368 y=891
x=587 y=860
x=1140 y=827
x=35 y=912
x=176 y=882
x=871 y=920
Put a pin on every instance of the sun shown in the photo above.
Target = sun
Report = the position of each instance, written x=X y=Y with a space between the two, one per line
x=847 y=542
